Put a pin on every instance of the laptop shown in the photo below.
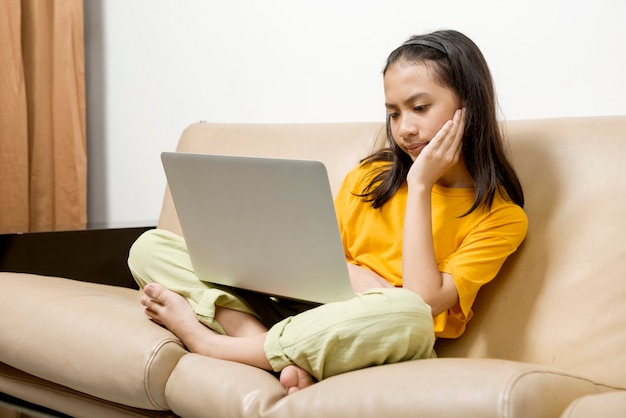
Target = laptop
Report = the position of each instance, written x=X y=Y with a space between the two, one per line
x=261 y=224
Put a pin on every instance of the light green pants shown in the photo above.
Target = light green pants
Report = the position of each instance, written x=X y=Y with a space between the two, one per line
x=373 y=328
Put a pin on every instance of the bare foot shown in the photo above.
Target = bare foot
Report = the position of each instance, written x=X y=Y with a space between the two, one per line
x=174 y=312
x=171 y=310
x=294 y=378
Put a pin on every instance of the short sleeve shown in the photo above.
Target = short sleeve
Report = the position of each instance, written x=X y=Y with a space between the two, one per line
x=478 y=260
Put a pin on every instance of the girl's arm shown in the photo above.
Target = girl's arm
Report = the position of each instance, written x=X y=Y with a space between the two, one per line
x=420 y=272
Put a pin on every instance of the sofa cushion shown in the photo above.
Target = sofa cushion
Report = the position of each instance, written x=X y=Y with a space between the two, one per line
x=606 y=405
x=480 y=388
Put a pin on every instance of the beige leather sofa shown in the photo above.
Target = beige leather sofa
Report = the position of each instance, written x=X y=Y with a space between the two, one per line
x=548 y=338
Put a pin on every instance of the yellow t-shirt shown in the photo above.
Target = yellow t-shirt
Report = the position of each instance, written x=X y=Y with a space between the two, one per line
x=471 y=248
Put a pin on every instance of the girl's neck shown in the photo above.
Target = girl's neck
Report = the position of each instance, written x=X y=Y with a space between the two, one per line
x=458 y=177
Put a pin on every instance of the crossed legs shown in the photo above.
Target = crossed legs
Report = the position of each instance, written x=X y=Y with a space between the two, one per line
x=376 y=327
x=243 y=342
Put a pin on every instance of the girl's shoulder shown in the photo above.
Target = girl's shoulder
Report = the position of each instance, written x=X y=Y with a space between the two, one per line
x=506 y=212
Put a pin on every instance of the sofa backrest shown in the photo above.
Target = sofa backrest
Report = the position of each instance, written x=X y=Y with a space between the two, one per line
x=561 y=299
x=339 y=146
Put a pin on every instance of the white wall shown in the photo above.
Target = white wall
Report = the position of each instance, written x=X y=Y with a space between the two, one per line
x=155 y=66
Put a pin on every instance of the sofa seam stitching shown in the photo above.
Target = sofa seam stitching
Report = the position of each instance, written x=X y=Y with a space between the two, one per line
x=148 y=367
x=506 y=400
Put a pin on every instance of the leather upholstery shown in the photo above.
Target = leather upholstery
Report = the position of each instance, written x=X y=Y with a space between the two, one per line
x=547 y=333
x=606 y=405
x=88 y=337
x=560 y=300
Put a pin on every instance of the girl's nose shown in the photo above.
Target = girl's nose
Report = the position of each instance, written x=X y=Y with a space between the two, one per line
x=407 y=127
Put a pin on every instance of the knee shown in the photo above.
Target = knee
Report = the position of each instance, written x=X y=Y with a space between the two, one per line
x=148 y=249
x=141 y=249
x=407 y=320
x=154 y=241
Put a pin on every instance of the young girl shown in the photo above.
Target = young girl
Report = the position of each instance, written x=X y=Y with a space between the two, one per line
x=424 y=223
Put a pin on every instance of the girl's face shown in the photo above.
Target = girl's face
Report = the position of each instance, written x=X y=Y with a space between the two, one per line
x=417 y=105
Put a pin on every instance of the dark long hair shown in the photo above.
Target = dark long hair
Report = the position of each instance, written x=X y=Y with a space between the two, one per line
x=458 y=64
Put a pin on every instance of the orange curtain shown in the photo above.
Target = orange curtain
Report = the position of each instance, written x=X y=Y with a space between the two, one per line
x=43 y=150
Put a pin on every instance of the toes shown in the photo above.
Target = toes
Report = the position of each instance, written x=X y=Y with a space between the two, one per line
x=153 y=290
x=289 y=378
x=293 y=379
x=152 y=294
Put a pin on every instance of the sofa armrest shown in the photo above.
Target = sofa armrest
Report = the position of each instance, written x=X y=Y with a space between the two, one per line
x=604 y=405
x=89 y=337
x=92 y=255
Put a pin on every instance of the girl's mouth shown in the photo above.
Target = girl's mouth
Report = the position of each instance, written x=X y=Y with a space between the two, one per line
x=415 y=148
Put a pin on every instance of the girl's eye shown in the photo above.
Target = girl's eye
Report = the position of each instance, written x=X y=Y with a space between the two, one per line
x=393 y=115
x=420 y=108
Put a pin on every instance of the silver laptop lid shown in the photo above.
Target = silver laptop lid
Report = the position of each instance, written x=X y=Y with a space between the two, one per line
x=261 y=224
